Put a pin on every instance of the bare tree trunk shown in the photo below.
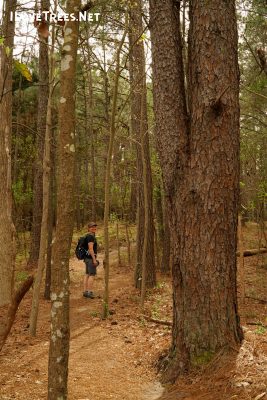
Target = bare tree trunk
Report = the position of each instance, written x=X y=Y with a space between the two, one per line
x=51 y=217
x=241 y=262
x=43 y=93
x=107 y=174
x=59 y=340
x=46 y=196
x=7 y=229
x=16 y=133
x=91 y=135
x=118 y=243
x=200 y=163
x=128 y=243
x=139 y=126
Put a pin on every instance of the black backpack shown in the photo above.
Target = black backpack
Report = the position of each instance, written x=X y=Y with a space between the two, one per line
x=81 y=251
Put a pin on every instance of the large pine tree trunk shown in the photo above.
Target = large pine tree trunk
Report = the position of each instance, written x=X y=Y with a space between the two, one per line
x=200 y=163
x=7 y=230
x=59 y=340
x=139 y=126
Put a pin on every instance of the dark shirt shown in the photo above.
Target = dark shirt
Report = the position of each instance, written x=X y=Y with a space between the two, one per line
x=90 y=238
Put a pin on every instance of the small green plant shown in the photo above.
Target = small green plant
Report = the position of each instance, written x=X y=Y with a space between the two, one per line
x=155 y=310
x=261 y=330
x=143 y=322
x=160 y=285
x=21 y=276
x=93 y=314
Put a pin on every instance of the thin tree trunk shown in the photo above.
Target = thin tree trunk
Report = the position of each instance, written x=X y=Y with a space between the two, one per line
x=16 y=133
x=118 y=244
x=128 y=243
x=46 y=196
x=139 y=126
x=107 y=175
x=91 y=135
x=43 y=94
x=241 y=262
x=59 y=339
x=156 y=246
x=7 y=229
x=51 y=217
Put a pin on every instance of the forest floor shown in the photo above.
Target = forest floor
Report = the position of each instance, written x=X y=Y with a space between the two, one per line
x=117 y=358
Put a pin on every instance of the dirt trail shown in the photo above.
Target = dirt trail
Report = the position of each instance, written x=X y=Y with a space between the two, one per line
x=109 y=359
x=115 y=358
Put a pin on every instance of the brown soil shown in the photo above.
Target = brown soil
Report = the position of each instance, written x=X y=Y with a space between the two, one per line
x=109 y=359
x=117 y=358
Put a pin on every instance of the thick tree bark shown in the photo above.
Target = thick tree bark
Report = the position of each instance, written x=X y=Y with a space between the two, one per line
x=59 y=340
x=139 y=126
x=43 y=93
x=165 y=266
x=7 y=230
x=199 y=156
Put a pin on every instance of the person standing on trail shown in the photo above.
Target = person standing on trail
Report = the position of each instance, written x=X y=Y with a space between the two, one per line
x=90 y=260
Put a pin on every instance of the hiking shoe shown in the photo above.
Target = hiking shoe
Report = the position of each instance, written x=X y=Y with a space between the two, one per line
x=89 y=295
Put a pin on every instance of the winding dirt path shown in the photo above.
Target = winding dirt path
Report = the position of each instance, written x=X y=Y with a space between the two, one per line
x=109 y=359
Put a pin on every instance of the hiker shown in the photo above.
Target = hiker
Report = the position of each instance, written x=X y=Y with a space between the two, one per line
x=90 y=260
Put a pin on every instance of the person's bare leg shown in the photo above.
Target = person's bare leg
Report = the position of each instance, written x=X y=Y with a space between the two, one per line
x=90 y=283
x=85 y=282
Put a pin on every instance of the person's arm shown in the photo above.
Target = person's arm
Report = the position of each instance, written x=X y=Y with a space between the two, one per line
x=91 y=251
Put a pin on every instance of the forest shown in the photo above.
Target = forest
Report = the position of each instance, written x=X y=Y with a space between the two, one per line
x=133 y=199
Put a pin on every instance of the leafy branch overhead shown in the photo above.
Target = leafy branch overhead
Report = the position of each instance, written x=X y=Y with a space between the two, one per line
x=23 y=70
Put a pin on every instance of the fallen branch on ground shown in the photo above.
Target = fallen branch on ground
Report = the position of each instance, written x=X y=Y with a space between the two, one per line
x=262 y=301
x=156 y=321
x=12 y=309
x=257 y=324
x=252 y=252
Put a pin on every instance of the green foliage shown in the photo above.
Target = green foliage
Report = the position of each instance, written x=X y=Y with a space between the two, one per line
x=8 y=51
x=94 y=314
x=261 y=330
x=21 y=196
x=21 y=276
x=253 y=101
x=23 y=70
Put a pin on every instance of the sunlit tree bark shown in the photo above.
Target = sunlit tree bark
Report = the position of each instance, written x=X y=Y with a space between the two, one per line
x=59 y=339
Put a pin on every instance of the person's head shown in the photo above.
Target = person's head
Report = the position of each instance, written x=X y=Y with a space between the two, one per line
x=92 y=227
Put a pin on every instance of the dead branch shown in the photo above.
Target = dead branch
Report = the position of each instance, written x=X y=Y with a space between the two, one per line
x=256 y=324
x=156 y=321
x=262 y=301
x=12 y=309
x=252 y=252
